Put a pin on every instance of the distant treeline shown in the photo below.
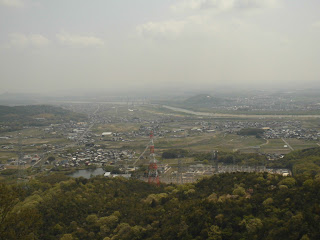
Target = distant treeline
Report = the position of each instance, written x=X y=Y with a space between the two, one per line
x=35 y=115
x=221 y=157
x=251 y=132
x=306 y=161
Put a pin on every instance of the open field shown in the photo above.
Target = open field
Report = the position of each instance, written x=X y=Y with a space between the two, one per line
x=209 y=142
x=297 y=144
x=275 y=146
x=174 y=161
x=4 y=156
x=173 y=130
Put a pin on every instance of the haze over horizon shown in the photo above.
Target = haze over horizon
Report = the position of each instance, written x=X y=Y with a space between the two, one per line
x=50 y=46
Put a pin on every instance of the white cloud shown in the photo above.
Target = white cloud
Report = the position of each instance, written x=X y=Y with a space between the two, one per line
x=194 y=25
x=38 y=40
x=223 y=5
x=199 y=20
x=257 y=3
x=79 y=40
x=17 y=39
x=171 y=29
x=202 y=4
x=316 y=24
x=23 y=40
x=11 y=3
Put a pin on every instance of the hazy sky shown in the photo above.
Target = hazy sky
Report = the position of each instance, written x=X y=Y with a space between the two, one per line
x=78 y=45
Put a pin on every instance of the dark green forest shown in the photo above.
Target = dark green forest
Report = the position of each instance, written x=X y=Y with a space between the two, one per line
x=225 y=206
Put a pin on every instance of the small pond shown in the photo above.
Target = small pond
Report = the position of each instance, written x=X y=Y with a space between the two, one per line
x=87 y=173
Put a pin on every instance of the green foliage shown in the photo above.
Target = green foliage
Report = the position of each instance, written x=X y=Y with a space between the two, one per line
x=51 y=158
x=53 y=178
x=252 y=225
x=305 y=237
x=213 y=197
x=250 y=159
x=156 y=198
x=175 y=153
x=112 y=169
x=267 y=202
x=18 y=116
x=215 y=233
x=16 y=223
x=9 y=172
x=226 y=206
x=302 y=162
x=251 y=132
x=238 y=190
x=67 y=237
x=289 y=182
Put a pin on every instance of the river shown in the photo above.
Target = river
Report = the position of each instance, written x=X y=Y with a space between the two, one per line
x=226 y=115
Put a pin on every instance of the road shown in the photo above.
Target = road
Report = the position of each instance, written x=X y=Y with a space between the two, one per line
x=287 y=144
x=266 y=143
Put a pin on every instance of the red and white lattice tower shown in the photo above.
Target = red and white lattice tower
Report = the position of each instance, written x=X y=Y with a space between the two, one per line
x=153 y=174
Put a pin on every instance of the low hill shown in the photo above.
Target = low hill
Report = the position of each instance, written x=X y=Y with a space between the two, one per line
x=36 y=115
x=226 y=206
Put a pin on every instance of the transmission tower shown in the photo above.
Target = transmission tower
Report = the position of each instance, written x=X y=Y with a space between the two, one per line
x=153 y=174
x=179 y=173
x=214 y=159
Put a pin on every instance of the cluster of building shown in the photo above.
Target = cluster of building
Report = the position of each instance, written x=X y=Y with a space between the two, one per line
x=266 y=102
x=273 y=156
x=298 y=133
x=26 y=159
x=273 y=129
x=94 y=156
x=196 y=171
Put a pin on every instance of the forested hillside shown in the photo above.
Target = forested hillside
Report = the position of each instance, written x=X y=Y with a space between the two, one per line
x=36 y=115
x=227 y=206
x=306 y=161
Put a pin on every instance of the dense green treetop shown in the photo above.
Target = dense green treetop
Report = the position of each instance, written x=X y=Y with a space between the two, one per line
x=226 y=206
